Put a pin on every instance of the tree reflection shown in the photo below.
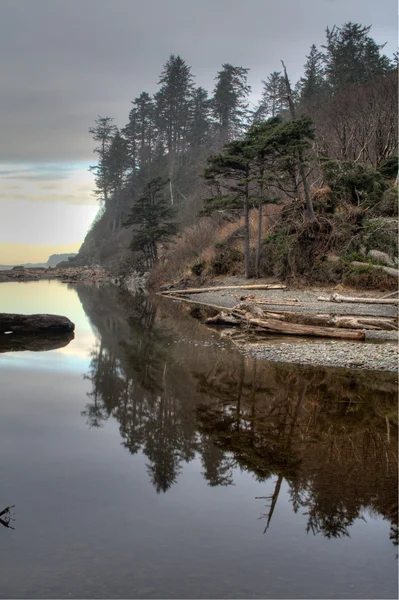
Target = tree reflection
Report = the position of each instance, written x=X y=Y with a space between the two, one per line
x=330 y=435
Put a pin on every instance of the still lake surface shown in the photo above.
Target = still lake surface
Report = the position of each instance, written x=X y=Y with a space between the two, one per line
x=147 y=458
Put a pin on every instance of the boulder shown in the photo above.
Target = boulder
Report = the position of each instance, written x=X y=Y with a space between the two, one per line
x=34 y=323
x=382 y=257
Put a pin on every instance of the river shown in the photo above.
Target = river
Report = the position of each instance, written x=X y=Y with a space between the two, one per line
x=148 y=458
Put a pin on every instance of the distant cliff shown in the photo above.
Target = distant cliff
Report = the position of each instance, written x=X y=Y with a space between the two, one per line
x=54 y=259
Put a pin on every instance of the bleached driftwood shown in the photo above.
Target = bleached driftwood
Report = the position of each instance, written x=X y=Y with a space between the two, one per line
x=339 y=298
x=265 y=286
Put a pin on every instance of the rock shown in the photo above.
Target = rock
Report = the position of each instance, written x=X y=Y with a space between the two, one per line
x=382 y=257
x=34 y=323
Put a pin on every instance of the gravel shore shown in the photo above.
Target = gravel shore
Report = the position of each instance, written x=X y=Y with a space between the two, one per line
x=378 y=352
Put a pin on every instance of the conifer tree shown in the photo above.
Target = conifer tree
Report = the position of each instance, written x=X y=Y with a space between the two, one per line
x=312 y=83
x=229 y=104
x=200 y=117
x=173 y=103
x=103 y=133
x=117 y=163
x=145 y=127
x=153 y=215
x=274 y=97
x=352 y=56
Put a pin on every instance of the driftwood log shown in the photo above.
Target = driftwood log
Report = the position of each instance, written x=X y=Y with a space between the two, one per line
x=34 y=323
x=269 y=286
x=276 y=326
x=339 y=298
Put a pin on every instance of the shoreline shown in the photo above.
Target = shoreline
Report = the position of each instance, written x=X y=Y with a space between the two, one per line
x=378 y=352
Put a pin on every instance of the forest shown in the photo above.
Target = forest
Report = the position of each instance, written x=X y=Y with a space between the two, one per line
x=303 y=184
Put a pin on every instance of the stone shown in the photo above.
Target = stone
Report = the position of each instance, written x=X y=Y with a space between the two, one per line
x=382 y=257
x=38 y=323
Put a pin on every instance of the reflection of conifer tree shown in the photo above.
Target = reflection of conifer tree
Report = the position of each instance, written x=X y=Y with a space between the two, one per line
x=218 y=469
x=161 y=443
x=337 y=454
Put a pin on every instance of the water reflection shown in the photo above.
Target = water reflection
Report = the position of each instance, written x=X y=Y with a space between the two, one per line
x=330 y=434
x=17 y=342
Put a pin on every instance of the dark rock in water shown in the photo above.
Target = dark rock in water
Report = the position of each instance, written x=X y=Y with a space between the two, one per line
x=34 y=323
x=17 y=342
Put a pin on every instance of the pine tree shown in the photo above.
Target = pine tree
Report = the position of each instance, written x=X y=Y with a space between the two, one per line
x=173 y=103
x=144 y=106
x=130 y=133
x=200 y=120
x=274 y=97
x=312 y=83
x=117 y=163
x=228 y=175
x=153 y=214
x=352 y=56
x=103 y=132
x=229 y=103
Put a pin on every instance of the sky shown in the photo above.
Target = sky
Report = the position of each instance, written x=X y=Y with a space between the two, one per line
x=63 y=62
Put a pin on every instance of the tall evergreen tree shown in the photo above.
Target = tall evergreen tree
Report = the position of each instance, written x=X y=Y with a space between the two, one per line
x=313 y=82
x=352 y=56
x=103 y=133
x=117 y=162
x=130 y=133
x=144 y=106
x=153 y=214
x=274 y=97
x=200 y=117
x=229 y=104
x=173 y=103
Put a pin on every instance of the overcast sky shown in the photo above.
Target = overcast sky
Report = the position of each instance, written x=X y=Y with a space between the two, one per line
x=63 y=62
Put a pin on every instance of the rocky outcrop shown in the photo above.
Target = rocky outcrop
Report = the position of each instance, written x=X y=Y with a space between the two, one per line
x=28 y=324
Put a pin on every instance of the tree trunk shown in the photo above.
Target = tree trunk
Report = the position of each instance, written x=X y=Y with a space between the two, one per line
x=259 y=241
x=247 y=249
x=309 y=203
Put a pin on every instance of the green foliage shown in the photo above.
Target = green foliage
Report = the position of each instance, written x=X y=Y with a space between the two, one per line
x=368 y=277
x=198 y=268
x=153 y=215
x=229 y=104
x=379 y=235
x=352 y=56
x=389 y=168
x=356 y=183
x=389 y=203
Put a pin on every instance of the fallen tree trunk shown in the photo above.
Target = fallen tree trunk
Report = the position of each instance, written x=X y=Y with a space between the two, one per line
x=34 y=323
x=276 y=326
x=265 y=286
x=339 y=298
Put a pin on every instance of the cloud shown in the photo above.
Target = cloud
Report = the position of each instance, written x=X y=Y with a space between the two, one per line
x=63 y=63
x=70 y=184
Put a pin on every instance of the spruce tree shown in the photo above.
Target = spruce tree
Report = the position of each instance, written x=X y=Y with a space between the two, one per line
x=274 y=97
x=200 y=118
x=153 y=215
x=173 y=103
x=229 y=103
x=144 y=106
x=312 y=83
x=352 y=56
x=103 y=133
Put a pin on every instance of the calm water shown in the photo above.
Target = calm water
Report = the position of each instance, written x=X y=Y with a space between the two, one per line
x=145 y=461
